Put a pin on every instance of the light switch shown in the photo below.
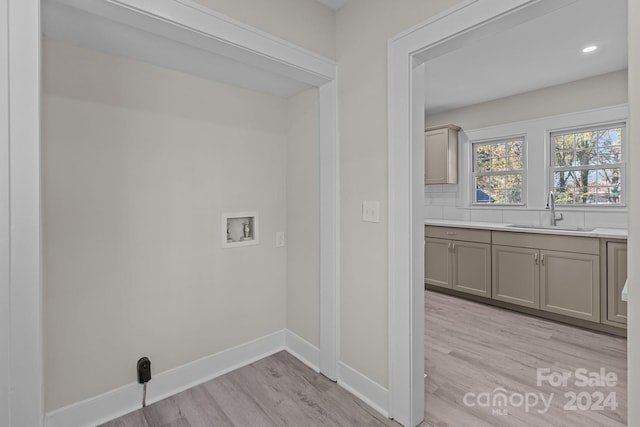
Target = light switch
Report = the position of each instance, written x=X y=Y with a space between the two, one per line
x=280 y=239
x=371 y=211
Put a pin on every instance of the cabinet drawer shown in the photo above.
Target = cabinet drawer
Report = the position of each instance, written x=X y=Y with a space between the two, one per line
x=454 y=233
x=583 y=245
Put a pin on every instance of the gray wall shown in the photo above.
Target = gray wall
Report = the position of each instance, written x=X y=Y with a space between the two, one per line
x=600 y=91
x=303 y=209
x=139 y=163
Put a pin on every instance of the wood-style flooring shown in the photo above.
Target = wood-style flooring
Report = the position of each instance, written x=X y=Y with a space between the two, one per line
x=469 y=348
x=475 y=348
x=276 y=391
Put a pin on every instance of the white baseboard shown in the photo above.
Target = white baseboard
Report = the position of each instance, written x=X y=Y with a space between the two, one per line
x=121 y=401
x=370 y=392
x=302 y=350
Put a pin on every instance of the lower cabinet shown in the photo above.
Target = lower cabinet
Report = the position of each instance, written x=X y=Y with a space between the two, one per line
x=616 y=276
x=532 y=275
x=516 y=275
x=460 y=265
x=570 y=284
x=574 y=276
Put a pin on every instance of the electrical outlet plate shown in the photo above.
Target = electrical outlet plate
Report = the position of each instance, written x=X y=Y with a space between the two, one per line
x=280 y=239
x=371 y=211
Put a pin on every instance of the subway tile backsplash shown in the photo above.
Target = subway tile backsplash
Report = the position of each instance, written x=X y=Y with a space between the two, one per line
x=442 y=202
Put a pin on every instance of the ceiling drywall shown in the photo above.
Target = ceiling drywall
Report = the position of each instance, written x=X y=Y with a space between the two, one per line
x=175 y=48
x=334 y=4
x=543 y=52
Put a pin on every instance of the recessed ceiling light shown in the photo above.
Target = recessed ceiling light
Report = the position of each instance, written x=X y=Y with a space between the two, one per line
x=589 y=49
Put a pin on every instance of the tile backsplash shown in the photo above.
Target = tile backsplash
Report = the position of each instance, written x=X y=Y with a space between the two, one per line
x=443 y=202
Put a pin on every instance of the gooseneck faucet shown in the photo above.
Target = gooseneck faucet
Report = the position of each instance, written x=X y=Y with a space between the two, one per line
x=551 y=204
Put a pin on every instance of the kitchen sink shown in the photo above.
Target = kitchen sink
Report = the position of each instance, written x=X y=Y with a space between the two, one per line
x=553 y=227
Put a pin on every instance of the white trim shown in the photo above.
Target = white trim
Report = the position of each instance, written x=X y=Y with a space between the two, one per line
x=26 y=401
x=5 y=230
x=450 y=29
x=303 y=350
x=125 y=399
x=121 y=401
x=329 y=245
x=370 y=392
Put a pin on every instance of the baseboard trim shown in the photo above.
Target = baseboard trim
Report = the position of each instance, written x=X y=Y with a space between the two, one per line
x=121 y=401
x=302 y=350
x=370 y=392
x=118 y=402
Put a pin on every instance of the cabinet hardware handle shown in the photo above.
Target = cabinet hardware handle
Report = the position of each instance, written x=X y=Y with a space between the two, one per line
x=542 y=259
x=451 y=233
x=449 y=245
x=453 y=245
x=535 y=257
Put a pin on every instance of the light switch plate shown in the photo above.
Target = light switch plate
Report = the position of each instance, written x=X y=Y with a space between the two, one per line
x=371 y=211
x=280 y=239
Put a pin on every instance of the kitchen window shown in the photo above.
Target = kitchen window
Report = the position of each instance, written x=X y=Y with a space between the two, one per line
x=498 y=172
x=587 y=165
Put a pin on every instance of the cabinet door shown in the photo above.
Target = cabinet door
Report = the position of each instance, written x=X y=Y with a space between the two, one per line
x=515 y=275
x=471 y=268
x=436 y=262
x=570 y=284
x=436 y=148
x=616 y=276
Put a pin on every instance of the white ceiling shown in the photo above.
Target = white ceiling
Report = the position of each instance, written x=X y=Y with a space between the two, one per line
x=334 y=4
x=194 y=55
x=543 y=52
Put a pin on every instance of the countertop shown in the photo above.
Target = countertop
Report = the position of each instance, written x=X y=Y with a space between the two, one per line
x=608 y=233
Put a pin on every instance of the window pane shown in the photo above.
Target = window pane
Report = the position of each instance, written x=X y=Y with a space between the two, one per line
x=515 y=148
x=593 y=186
x=564 y=158
x=514 y=163
x=483 y=190
x=483 y=158
x=608 y=155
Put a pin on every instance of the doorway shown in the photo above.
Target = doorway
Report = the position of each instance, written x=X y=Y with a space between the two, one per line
x=408 y=52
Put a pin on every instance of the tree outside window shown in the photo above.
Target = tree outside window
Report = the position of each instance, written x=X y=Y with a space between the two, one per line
x=587 y=166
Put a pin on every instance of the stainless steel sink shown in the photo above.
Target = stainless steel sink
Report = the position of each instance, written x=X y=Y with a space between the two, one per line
x=553 y=227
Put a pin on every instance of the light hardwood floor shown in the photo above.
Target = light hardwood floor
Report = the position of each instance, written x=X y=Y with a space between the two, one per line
x=275 y=391
x=475 y=348
x=469 y=348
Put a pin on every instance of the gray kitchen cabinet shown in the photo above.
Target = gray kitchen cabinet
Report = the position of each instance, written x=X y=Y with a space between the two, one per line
x=516 y=275
x=558 y=274
x=458 y=259
x=616 y=276
x=441 y=155
x=436 y=262
x=570 y=284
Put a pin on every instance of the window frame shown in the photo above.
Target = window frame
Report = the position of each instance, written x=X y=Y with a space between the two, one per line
x=552 y=169
x=474 y=173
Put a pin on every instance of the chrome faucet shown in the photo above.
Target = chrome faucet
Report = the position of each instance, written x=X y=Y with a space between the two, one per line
x=551 y=204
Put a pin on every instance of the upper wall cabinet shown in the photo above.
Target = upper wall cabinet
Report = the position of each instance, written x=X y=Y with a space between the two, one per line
x=441 y=155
